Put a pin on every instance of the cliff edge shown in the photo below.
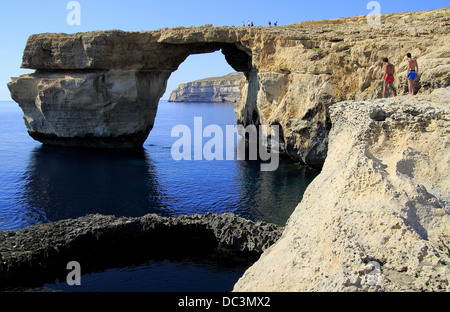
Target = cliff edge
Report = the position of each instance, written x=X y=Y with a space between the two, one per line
x=215 y=89
x=377 y=218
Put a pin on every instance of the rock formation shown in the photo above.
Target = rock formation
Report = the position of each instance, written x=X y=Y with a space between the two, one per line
x=102 y=109
x=217 y=89
x=377 y=218
x=102 y=88
x=39 y=253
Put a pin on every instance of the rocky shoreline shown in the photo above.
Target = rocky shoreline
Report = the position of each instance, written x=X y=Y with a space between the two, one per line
x=40 y=253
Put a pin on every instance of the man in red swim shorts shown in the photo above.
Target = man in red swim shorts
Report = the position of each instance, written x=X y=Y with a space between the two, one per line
x=389 y=79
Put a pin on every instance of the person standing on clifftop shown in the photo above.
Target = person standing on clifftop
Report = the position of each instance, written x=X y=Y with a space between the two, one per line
x=389 y=71
x=413 y=70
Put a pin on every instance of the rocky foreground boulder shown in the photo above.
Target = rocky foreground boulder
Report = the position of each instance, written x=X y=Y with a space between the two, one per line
x=377 y=218
x=40 y=253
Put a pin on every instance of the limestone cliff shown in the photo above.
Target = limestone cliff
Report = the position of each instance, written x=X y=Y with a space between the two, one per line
x=377 y=218
x=84 y=81
x=216 y=89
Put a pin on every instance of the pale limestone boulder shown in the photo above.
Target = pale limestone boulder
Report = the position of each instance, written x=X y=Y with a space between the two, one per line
x=377 y=218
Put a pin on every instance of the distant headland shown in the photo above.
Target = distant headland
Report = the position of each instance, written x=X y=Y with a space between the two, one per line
x=214 y=89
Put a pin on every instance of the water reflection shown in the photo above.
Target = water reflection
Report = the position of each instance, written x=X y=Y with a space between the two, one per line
x=271 y=196
x=66 y=183
x=61 y=183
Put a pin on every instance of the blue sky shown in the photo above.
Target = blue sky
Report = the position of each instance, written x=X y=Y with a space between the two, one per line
x=21 y=18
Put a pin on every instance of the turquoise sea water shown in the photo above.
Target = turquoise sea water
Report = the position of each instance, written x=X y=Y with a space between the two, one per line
x=43 y=184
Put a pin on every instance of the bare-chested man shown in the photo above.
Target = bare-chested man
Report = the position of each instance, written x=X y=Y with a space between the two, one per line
x=389 y=71
x=413 y=70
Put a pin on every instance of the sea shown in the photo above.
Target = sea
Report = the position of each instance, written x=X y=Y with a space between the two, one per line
x=40 y=184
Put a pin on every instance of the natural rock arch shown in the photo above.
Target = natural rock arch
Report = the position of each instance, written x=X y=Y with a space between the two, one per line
x=101 y=89
x=87 y=93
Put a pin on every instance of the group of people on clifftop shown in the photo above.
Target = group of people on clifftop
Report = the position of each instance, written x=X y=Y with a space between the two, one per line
x=389 y=71
x=250 y=24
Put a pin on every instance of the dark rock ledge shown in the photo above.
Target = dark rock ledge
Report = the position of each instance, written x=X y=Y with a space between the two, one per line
x=40 y=253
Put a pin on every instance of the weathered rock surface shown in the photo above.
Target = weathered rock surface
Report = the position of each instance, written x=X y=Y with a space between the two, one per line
x=42 y=252
x=377 y=218
x=316 y=64
x=104 y=109
x=216 y=89
x=293 y=74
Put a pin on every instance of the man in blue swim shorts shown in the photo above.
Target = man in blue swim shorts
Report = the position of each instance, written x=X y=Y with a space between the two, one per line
x=413 y=69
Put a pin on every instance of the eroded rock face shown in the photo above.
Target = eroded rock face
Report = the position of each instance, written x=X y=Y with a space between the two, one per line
x=377 y=218
x=293 y=72
x=40 y=253
x=312 y=65
x=106 y=109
